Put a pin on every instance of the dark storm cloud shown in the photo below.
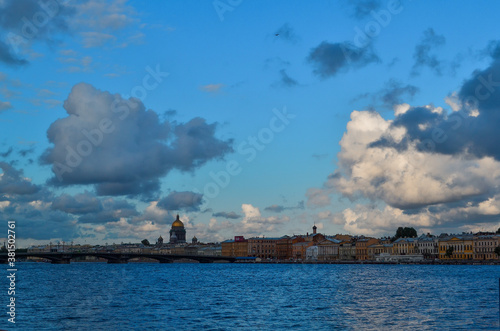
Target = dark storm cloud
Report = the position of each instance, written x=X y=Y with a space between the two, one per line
x=123 y=148
x=187 y=201
x=93 y=209
x=145 y=189
x=363 y=8
x=53 y=224
x=12 y=181
x=225 y=214
x=285 y=32
x=113 y=210
x=472 y=129
x=423 y=55
x=332 y=58
x=24 y=21
x=195 y=144
x=82 y=203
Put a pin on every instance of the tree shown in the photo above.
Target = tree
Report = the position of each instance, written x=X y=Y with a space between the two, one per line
x=399 y=232
x=498 y=231
x=145 y=242
x=409 y=233
x=497 y=250
x=449 y=252
x=405 y=232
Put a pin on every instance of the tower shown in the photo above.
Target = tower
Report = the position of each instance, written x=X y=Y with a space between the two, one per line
x=177 y=232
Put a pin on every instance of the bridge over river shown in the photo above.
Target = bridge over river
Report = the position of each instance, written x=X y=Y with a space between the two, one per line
x=65 y=258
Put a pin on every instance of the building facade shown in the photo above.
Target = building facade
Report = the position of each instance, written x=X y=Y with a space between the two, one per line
x=177 y=232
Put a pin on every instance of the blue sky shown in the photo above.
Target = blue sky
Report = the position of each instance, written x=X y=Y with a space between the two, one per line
x=247 y=118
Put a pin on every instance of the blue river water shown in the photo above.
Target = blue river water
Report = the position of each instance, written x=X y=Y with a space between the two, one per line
x=185 y=296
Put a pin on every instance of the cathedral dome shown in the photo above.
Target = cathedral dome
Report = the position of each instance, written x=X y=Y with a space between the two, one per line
x=177 y=232
x=177 y=223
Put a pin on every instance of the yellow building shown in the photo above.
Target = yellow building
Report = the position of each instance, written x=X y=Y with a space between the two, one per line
x=362 y=245
x=404 y=246
x=462 y=247
x=236 y=248
x=300 y=248
x=377 y=249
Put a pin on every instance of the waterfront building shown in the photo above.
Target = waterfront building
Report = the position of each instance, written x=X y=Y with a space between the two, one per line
x=404 y=246
x=343 y=237
x=380 y=249
x=300 y=248
x=163 y=250
x=312 y=253
x=227 y=247
x=462 y=247
x=328 y=250
x=210 y=250
x=39 y=249
x=428 y=246
x=362 y=247
x=314 y=237
x=284 y=247
x=484 y=247
x=265 y=248
x=159 y=242
x=177 y=232
x=238 y=247
x=191 y=250
x=347 y=251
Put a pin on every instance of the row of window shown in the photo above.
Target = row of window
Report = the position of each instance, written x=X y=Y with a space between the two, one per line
x=457 y=247
x=486 y=243
x=484 y=249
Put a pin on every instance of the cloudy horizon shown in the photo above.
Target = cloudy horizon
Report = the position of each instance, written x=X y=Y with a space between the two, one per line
x=360 y=118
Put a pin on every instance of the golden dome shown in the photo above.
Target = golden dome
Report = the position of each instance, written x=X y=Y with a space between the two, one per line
x=177 y=223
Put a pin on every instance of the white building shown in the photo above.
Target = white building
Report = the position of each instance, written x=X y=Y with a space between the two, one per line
x=312 y=253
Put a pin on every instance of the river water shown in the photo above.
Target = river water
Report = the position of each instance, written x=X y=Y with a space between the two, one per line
x=181 y=296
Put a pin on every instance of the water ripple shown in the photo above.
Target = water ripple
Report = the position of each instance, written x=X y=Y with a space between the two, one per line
x=143 y=296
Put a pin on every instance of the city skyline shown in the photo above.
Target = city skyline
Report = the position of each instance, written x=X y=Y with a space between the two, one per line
x=247 y=118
